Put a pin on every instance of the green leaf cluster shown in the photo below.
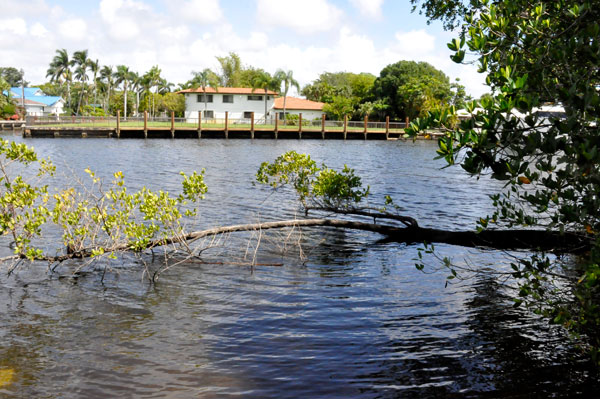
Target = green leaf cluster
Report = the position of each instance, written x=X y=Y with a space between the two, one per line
x=316 y=186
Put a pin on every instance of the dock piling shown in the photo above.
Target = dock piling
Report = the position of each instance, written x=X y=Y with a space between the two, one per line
x=145 y=124
x=387 y=127
x=276 y=127
x=345 y=126
x=172 y=124
x=252 y=125
x=199 y=124
x=300 y=125
x=366 y=126
x=118 y=124
x=323 y=126
x=226 y=124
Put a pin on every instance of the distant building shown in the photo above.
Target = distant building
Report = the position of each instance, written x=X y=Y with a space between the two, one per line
x=240 y=102
x=293 y=106
x=36 y=102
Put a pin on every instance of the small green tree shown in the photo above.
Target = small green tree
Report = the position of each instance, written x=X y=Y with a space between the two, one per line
x=339 y=107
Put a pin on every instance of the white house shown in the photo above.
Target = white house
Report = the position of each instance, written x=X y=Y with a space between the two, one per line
x=310 y=110
x=240 y=102
x=36 y=102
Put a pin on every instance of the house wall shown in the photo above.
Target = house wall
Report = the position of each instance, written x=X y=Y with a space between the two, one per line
x=236 y=109
x=34 y=110
x=54 y=109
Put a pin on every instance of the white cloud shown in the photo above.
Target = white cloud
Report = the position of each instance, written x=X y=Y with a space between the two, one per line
x=39 y=30
x=29 y=8
x=15 y=26
x=371 y=8
x=123 y=18
x=202 y=11
x=175 y=32
x=415 y=43
x=74 y=29
x=305 y=17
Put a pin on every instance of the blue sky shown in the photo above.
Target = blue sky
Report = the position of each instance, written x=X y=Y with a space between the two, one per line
x=307 y=36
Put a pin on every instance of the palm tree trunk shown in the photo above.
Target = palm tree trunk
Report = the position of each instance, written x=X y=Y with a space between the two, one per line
x=125 y=102
x=205 y=100
x=108 y=99
x=265 y=106
x=153 y=103
x=69 y=94
x=284 y=115
x=80 y=98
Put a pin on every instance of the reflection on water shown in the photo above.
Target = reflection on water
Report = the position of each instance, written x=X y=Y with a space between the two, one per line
x=354 y=319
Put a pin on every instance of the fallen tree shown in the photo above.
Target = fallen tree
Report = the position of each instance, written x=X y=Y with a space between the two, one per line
x=531 y=240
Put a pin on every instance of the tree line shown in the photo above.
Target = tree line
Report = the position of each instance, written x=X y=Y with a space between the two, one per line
x=404 y=89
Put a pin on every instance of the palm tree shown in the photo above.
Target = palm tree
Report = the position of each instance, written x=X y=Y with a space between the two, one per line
x=154 y=78
x=287 y=78
x=123 y=75
x=106 y=74
x=136 y=83
x=164 y=86
x=82 y=63
x=60 y=68
x=95 y=68
x=265 y=81
x=206 y=78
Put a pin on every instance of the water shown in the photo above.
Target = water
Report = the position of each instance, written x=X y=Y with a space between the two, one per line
x=352 y=319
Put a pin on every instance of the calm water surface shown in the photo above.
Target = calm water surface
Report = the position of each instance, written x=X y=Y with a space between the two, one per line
x=354 y=318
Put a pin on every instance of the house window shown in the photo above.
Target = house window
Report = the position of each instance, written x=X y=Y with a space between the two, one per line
x=209 y=98
x=281 y=115
x=247 y=115
x=228 y=98
x=209 y=114
x=255 y=98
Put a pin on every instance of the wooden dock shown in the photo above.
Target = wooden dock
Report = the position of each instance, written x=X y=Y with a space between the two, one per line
x=171 y=128
x=207 y=133
x=11 y=125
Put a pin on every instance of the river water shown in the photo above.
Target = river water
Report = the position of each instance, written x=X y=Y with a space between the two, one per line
x=349 y=316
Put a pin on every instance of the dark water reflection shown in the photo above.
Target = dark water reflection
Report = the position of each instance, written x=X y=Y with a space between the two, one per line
x=356 y=319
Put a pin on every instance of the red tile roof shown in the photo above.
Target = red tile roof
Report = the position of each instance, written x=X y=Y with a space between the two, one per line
x=229 y=90
x=298 y=103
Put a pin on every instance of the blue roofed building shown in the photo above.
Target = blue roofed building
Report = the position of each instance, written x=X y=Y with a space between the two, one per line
x=36 y=102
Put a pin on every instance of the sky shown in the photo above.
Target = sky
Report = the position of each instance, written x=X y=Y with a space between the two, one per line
x=181 y=36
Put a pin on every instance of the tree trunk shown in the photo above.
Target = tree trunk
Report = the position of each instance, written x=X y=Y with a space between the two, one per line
x=265 y=106
x=80 y=98
x=125 y=102
x=69 y=94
